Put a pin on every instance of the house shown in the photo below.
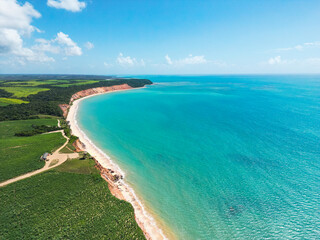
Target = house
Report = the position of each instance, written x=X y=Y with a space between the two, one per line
x=44 y=156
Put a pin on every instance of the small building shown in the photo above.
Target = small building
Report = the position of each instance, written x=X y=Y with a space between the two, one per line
x=44 y=156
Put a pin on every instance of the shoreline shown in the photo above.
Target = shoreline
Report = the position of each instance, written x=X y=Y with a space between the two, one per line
x=120 y=188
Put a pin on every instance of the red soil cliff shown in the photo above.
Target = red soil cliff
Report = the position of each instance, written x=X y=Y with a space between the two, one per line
x=91 y=91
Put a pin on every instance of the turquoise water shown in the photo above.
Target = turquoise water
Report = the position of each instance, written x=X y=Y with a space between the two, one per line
x=218 y=157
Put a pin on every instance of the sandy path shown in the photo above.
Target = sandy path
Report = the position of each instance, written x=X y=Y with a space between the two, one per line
x=61 y=157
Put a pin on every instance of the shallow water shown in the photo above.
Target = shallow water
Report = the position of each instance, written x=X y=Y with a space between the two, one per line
x=218 y=157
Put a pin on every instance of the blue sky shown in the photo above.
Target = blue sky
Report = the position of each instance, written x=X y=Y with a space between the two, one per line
x=159 y=37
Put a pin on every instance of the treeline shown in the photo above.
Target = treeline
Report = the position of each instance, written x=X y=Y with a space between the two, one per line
x=37 y=129
x=29 y=110
x=26 y=77
x=5 y=94
x=47 y=102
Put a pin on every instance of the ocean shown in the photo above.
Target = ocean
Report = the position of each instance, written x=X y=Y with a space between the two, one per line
x=218 y=157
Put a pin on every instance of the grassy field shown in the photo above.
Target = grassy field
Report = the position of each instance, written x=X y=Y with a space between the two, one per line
x=9 y=128
x=53 y=82
x=80 y=82
x=8 y=101
x=23 y=83
x=19 y=155
x=34 y=83
x=20 y=92
x=72 y=202
x=69 y=148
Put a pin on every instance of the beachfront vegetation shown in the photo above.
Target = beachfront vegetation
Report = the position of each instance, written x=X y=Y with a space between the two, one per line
x=19 y=155
x=70 y=202
x=69 y=148
x=44 y=95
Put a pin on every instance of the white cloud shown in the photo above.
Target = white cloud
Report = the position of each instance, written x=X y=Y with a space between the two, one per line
x=16 y=16
x=69 y=5
x=89 y=45
x=44 y=45
x=70 y=47
x=275 y=60
x=11 y=42
x=129 y=61
x=62 y=44
x=168 y=59
x=190 y=60
x=279 y=61
x=313 y=61
x=15 y=23
x=301 y=46
x=126 y=60
x=107 y=64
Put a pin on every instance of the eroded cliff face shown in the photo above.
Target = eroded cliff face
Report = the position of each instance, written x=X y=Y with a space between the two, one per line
x=79 y=146
x=91 y=91
x=112 y=178
x=64 y=108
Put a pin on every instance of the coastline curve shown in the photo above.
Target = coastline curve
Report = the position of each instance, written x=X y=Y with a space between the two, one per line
x=119 y=189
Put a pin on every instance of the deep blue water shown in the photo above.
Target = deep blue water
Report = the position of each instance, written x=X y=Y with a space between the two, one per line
x=218 y=157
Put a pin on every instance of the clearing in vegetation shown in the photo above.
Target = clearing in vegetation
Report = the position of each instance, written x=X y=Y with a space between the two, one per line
x=8 y=101
x=19 y=155
x=69 y=148
x=20 y=92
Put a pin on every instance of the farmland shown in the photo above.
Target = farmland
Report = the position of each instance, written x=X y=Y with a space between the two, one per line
x=70 y=202
x=8 y=101
x=21 y=92
x=19 y=155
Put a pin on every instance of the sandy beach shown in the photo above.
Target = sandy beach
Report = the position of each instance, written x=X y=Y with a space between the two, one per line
x=120 y=188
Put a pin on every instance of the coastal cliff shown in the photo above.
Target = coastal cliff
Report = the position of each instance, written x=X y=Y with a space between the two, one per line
x=98 y=90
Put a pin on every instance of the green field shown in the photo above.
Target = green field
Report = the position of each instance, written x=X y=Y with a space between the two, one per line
x=69 y=148
x=33 y=83
x=70 y=202
x=20 y=92
x=78 y=166
x=79 y=82
x=23 y=83
x=8 y=101
x=19 y=155
x=53 y=82
x=9 y=128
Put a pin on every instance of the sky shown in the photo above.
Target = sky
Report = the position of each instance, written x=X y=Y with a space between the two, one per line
x=123 y=37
